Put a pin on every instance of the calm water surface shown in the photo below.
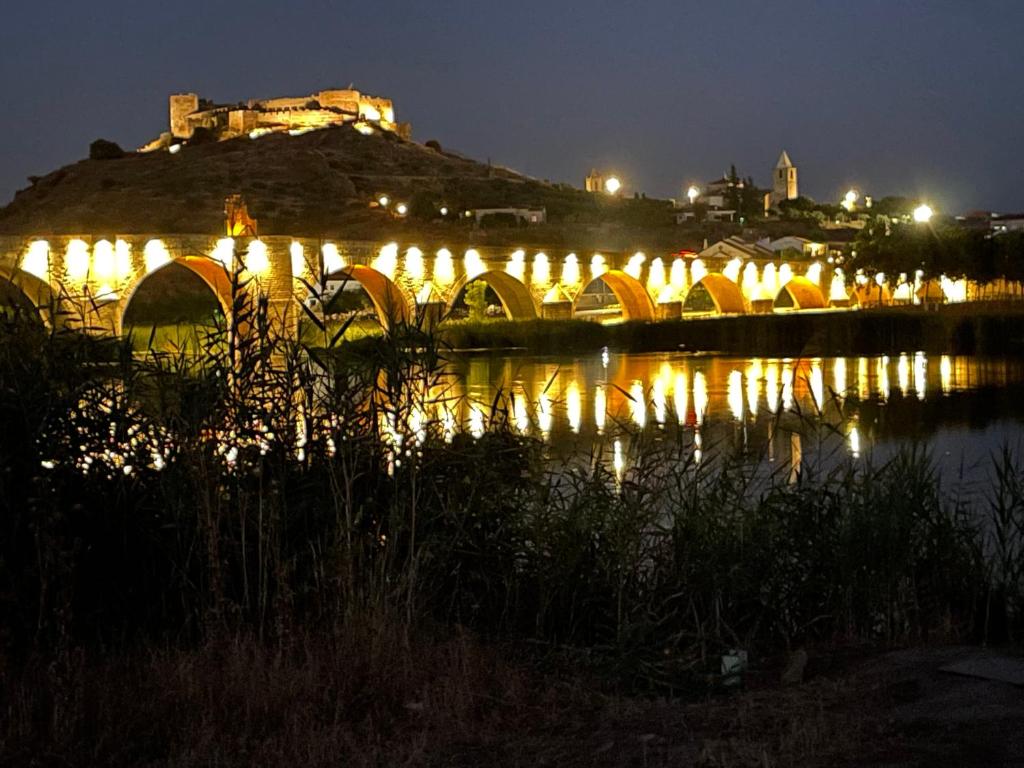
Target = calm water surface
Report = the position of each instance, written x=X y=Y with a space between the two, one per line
x=773 y=409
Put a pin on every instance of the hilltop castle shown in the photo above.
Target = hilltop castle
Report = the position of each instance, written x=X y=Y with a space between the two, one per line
x=188 y=113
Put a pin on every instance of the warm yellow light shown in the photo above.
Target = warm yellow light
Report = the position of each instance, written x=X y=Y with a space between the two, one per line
x=122 y=260
x=256 y=260
x=155 y=255
x=444 y=268
x=612 y=185
x=444 y=210
x=474 y=264
x=837 y=288
x=923 y=213
x=732 y=269
x=850 y=199
x=387 y=260
x=692 y=193
x=597 y=266
x=401 y=209
x=697 y=271
x=785 y=274
x=637 y=404
x=734 y=394
x=106 y=293
x=813 y=273
x=677 y=275
x=769 y=283
x=517 y=265
x=333 y=261
x=298 y=258
x=384 y=201
x=751 y=282
x=540 y=274
x=680 y=396
x=102 y=261
x=700 y=397
x=656 y=276
x=600 y=408
x=224 y=252
x=635 y=265
x=570 y=271
x=414 y=268
x=76 y=260
x=36 y=260
x=574 y=406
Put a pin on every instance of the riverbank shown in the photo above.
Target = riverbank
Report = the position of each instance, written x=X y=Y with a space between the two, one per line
x=966 y=329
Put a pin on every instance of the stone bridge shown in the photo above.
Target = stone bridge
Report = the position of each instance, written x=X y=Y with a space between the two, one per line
x=91 y=279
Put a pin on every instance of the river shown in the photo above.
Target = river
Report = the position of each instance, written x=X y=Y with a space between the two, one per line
x=780 y=410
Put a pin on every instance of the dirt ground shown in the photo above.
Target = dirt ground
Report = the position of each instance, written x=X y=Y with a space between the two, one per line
x=896 y=710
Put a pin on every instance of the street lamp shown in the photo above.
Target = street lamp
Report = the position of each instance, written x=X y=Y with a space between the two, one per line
x=923 y=213
x=693 y=193
x=612 y=185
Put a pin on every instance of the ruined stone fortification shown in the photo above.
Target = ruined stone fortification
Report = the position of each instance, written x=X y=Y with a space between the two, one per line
x=189 y=112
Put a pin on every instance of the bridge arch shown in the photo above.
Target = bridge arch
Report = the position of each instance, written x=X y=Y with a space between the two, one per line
x=389 y=300
x=514 y=295
x=636 y=303
x=871 y=294
x=726 y=296
x=36 y=294
x=800 y=293
x=213 y=274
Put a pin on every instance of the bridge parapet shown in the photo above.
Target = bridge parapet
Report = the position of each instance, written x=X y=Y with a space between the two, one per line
x=97 y=276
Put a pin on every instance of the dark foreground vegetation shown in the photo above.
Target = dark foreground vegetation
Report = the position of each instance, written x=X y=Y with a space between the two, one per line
x=255 y=557
x=982 y=328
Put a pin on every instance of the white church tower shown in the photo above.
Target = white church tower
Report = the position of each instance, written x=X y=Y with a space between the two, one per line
x=784 y=184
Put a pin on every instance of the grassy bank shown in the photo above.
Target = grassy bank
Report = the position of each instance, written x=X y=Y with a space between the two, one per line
x=968 y=329
x=244 y=557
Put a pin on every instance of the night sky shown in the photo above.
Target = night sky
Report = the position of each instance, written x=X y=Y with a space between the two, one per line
x=915 y=97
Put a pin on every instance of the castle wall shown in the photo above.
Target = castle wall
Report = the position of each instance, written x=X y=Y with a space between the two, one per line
x=346 y=100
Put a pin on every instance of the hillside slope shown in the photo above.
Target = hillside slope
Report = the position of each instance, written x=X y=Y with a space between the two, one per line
x=316 y=184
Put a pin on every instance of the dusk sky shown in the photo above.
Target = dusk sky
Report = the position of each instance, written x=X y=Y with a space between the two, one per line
x=914 y=97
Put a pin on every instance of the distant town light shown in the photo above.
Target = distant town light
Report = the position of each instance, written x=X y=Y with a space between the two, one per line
x=444 y=210
x=612 y=185
x=401 y=209
x=384 y=201
x=850 y=200
x=693 y=193
x=923 y=213
x=174 y=149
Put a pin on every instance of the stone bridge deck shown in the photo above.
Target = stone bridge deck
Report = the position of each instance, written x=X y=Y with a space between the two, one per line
x=94 y=277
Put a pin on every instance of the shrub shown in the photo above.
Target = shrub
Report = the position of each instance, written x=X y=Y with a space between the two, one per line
x=101 y=149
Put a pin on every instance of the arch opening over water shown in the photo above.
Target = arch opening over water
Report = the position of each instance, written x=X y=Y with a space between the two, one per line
x=389 y=301
x=715 y=292
x=177 y=305
x=26 y=294
x=514 y=296
x=633 y=298
x=800 y=293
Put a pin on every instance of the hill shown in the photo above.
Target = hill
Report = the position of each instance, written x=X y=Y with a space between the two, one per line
x=319 y=184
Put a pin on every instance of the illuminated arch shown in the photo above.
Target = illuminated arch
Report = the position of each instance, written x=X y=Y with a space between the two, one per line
x=633 y=297
x=514 y=295
x=38 y=295
x=871 y=295
x=802 y=294
x=213 y=274
x=726 y=295
x=389 y=301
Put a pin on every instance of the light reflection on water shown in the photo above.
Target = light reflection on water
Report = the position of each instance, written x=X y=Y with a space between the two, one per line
x=757 y=405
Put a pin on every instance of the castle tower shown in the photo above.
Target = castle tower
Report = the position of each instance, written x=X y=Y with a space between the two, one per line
x=784 y=184
x=181 y=106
